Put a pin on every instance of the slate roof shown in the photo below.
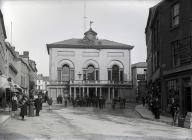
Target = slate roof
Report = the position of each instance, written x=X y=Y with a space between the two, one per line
x=139 y=65
x=85 y=44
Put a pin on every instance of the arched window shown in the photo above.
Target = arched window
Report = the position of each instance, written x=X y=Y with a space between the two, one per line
x=91 y=73
x=65 y=73
x=115 y=73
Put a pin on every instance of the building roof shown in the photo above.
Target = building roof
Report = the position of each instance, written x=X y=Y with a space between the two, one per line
x=139 y=65
x=41 y=77
x=86 y=43
x=152 y=13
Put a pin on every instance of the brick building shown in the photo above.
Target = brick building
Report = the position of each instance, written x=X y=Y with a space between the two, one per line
x=169 y=52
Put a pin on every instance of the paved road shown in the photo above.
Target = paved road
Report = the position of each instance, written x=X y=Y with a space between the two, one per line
x=89 y=124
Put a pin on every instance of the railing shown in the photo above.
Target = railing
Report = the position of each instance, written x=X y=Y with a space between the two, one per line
x=91 y=82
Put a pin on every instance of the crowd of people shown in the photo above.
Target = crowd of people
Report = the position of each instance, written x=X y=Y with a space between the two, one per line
x=26 y=105
x=95 y=101
x=154 y=105
x=120 y=101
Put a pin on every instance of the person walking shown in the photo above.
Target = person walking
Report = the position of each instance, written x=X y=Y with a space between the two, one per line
x=38 y=105
x=156 y=107
x=143 y=100
x=174 y=110
x=50 y=102
x=65 y=100
x=23 y=104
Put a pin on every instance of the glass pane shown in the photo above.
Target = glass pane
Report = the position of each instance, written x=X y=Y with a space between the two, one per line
x=115 y=73
x=121 y=76
x=97 y=74
x=84 y=75
x=65 y=73
x=109 y=75
x=91 y=72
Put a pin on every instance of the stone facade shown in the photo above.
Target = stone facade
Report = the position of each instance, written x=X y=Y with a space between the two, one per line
x=90 y=63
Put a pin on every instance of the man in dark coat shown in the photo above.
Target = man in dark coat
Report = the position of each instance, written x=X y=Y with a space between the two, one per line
x=38 y=105
x=23 y=104
x=156 y=106
x=174 y=110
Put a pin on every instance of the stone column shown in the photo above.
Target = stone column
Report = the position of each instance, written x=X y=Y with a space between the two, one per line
x=113 y=92
x=75 y=92
x=70 y=91
x=88 y=91
x=109 y=89
x=96 y=91
x=83 y=91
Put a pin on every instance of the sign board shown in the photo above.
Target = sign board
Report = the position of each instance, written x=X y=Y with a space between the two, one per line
x=140 y=76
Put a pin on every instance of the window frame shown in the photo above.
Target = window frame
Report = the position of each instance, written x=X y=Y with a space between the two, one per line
x=175 y=15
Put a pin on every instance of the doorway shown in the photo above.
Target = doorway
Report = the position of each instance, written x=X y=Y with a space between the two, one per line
x=92 y=92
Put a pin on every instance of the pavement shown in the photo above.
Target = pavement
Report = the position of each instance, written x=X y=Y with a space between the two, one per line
x=4 y=116
x=147 y=114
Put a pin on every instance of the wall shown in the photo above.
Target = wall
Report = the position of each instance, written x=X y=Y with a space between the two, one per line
x=80 y=56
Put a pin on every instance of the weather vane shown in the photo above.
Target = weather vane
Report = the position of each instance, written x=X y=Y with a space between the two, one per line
x=91 y=22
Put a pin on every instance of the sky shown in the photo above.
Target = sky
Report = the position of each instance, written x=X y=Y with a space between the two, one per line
x=36 y=23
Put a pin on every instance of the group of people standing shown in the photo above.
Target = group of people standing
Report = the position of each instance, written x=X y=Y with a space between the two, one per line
x=26 y=105
x=155 y=106
x=96 y=101
x=121 y=101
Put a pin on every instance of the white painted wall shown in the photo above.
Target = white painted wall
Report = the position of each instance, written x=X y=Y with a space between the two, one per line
x=76 y=56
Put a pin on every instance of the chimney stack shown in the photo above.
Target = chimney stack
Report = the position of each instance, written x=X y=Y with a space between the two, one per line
x=26 y=54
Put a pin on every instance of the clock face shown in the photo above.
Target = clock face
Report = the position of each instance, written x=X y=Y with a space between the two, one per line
x=90 y=69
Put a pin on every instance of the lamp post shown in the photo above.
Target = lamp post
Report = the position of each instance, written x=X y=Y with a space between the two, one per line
x=79 y=74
